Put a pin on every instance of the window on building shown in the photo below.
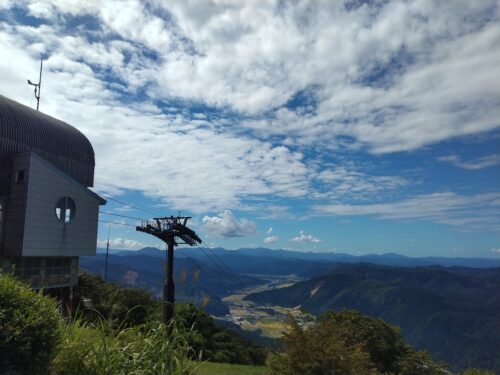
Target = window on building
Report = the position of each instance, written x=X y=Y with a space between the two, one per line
x=57 y=266
x=19 y=176
x=27 y=267
x=65 y=209
x=32 y=267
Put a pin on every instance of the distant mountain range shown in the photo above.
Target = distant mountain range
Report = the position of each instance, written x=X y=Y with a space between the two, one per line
x=454 y=313
x=389 y=259
x=449 y=306
x=194 y=278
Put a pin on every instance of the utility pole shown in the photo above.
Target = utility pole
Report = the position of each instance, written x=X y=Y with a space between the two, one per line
x=170 y=230
x=38 y=86
x=107 y=254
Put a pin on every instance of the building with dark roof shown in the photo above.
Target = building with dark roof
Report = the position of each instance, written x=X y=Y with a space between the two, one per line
x=48 y=214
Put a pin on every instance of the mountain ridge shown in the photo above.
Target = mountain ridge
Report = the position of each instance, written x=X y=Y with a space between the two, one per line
x=381 y=259
x=454 y=315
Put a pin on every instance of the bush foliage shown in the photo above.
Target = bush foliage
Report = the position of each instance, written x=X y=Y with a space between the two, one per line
x=30 y=328
x=102 y=349
x=108 y=339
x=348 y=343
x=133 y=307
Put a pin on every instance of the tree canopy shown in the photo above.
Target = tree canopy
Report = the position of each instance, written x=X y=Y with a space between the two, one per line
x=349 y=343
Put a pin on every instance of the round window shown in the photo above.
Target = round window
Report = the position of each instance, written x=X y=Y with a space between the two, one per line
x=65 y=209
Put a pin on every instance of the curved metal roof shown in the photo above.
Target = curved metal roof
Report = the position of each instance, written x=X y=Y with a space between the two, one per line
x=23 y=129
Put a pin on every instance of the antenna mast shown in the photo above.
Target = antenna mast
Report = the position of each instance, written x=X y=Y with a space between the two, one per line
x=107 y=254
x=170 y=230
x=38 y=86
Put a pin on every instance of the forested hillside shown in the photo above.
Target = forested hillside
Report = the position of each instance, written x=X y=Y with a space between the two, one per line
x=453 y=313
x=195 y=279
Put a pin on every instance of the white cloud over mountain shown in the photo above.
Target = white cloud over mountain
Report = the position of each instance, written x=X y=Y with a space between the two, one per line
x=271 y=239
x=227 y=225
x=122 y=243
x=303 y=237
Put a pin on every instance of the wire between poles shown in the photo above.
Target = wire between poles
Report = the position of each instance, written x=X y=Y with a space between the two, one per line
x=239 y=279
x=204 y=271
x=125 y=216
x=126 y=204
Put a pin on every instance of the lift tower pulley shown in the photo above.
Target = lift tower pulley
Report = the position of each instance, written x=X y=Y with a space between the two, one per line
x=173 y=231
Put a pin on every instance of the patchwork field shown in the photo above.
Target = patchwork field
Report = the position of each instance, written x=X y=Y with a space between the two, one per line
x=269 y=320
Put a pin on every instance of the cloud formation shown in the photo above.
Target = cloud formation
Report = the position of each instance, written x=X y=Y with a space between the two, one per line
x=480 y=211
x=122 y=243
x=479 y=163
x=208 y=106
x=302 y=237
x=271 y=239
x=226 y=225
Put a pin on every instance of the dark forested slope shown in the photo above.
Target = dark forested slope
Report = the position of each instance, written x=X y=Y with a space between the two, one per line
x=452 y=312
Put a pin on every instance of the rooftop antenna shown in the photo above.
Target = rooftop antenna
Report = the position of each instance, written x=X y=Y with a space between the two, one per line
x=38 y=86
x=170 y=230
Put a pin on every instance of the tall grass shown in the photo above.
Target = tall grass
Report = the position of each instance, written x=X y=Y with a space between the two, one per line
x=105 y=348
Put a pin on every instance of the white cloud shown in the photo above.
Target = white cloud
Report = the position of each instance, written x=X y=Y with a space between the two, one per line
x=302 y=237
x=122 y=243
x=479 y=163
x=226 y=225
x=480 y=211
x=404 y=75
x=399 y=79
x=347 y=181
x=271 y=239
x=269 y=230
x=495 y=250
x=187 y=176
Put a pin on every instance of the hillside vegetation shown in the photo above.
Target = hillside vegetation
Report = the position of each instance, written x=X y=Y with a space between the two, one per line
x=194 y=279
x=36 y=339
x=453 y=313
x=129 y=307
x=347 y=342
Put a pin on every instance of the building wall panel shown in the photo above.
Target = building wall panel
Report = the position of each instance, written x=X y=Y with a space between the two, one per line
x=45 y=235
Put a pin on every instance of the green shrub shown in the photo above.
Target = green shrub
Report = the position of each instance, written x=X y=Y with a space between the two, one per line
x=349 y=343
x=102 y=349
x=156 y=352
x=127 y=306
x=320 y=350
x=29 y=328
x=213 y=342
x=88 y=350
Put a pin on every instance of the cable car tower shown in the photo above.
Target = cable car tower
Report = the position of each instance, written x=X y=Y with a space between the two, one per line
x=170 y=230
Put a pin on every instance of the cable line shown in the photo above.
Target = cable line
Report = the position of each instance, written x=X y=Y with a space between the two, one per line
x=239 y=279
x=202 y=270
x=226 y=271
x=125 y=216
x=114 y=222
x=225 y=268
x=128 y=204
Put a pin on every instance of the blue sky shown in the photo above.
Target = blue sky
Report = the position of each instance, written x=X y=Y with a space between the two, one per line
x=356 y=127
